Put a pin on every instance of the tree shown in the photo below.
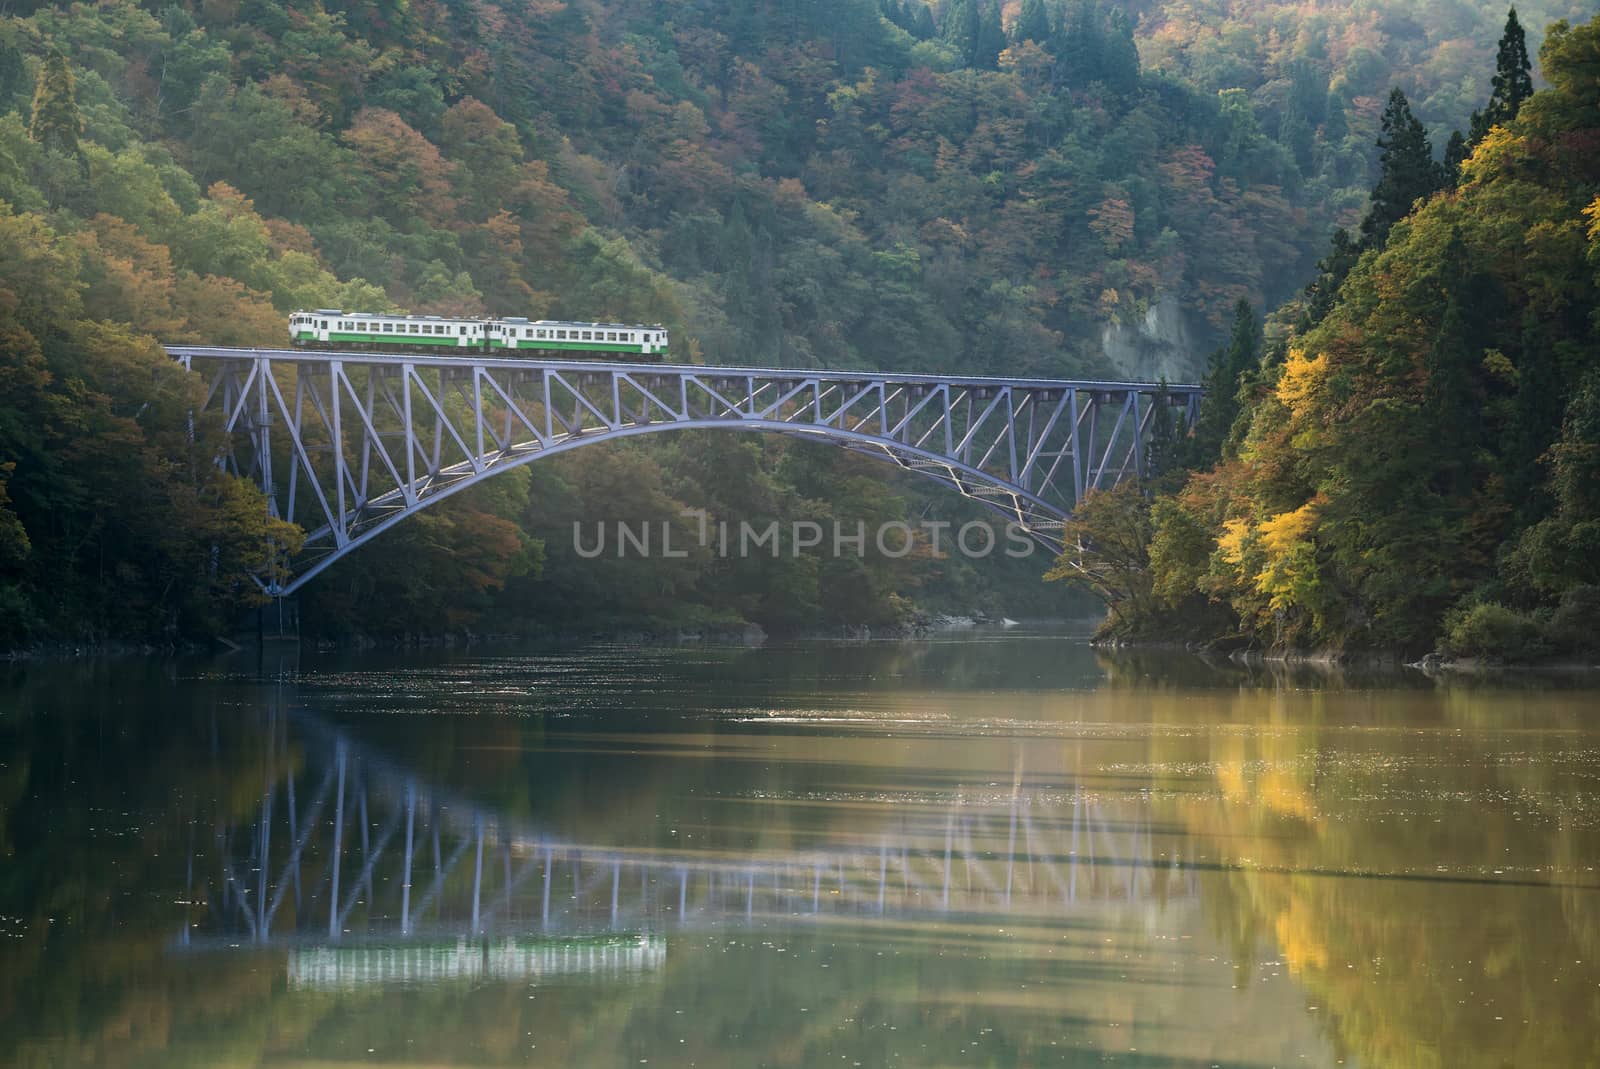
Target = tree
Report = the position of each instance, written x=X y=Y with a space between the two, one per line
x=1513 y=81
x=1164 y=453
x=13 y=74
x=1220 y=406
x=1107 y=543
x=960 y=25
x=1409 y=173
x=1332 y=270
x=1455 y=154
x=991 y=40
x=1033 y=23
x=56 y=121
x=1078 y=45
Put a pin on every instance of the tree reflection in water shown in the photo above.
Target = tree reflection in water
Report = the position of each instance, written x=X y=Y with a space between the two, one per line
x=1004 y=853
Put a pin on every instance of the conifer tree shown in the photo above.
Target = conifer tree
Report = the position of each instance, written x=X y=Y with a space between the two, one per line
x=1513 y=81
x=1078 y=45
x=1331 y=272
x=960 y=28
x=991 y=39
x=56 y=121
x=1220 y=406
x=1455 y=154
x=1164 y=454
x=1119 y=59
x=1033 y=23
x=13 y=74
x=1409 y=172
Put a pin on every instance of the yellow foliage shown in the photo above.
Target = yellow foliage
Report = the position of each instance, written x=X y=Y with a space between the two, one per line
x=1496 y=152
x=1296 y=932
x=1300 y=380
x=1232 y=540
x=1290 y=568
x=1283 y=532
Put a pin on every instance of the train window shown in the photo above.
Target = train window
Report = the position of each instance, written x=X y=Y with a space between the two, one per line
x=588 y=335
x=561 y=335
x=541 y=333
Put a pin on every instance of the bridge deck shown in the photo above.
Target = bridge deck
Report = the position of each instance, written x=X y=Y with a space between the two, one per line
x=470 y=359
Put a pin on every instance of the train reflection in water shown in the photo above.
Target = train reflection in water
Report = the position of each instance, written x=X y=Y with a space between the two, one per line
x=367 y=874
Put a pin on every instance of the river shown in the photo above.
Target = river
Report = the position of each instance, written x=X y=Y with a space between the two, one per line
x=989 y=849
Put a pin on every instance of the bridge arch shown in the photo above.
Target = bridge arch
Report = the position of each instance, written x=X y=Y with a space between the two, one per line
x=370 y=440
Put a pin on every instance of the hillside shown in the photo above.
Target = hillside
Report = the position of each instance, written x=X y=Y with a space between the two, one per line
x=1416 y=466
x=830 y=182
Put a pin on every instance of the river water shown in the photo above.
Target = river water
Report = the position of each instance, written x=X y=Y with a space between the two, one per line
x=987 y=850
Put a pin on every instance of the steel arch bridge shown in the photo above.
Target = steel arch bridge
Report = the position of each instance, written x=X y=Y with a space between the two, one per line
x=349 y=444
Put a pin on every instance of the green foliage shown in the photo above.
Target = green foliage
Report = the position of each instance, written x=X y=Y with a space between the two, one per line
x=836 y=183
x=1495 y=633
x=1408 y=172
x=1033 y=23
x=1513 y=81
x=1422 y=462
x=1226 y=376
x=56 y=122
x=1573 y=627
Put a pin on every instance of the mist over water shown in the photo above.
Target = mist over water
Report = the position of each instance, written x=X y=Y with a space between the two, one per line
x=988 y=850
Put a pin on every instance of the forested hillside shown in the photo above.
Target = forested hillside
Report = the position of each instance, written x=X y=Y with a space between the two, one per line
x=826 y=182
x=1418 y=463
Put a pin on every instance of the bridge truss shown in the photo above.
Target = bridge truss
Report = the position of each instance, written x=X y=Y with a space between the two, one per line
x=349 y=444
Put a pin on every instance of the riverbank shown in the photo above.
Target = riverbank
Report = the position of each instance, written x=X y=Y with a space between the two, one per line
x=921 y=625
x=1348 y=658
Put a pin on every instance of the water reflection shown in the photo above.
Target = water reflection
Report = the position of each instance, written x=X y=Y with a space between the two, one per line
x=346 y=845
x=979 y=852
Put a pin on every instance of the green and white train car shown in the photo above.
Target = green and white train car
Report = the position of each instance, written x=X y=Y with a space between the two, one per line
x=542 y=337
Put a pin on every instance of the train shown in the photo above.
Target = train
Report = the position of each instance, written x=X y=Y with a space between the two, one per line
x=530 y=337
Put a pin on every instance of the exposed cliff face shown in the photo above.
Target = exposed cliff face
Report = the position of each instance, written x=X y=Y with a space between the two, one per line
x=1161 y=343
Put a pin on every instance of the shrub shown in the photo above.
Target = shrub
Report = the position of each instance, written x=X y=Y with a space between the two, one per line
x=1576 y=624
x=1494 y=632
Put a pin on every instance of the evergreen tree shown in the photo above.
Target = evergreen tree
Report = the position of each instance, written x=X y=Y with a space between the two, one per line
x=1033 y=23
x=961 y=27
x=1408 y=175
x=922 y=19
x=1332 y=269
x=1078 y=46
x=1224 y=377
x=1119 y=54
x=1455 y=154
x=991 y=39
x=56 y=122
x=1164 y=453
x=13 y=75
x=1513 y=81
x=1453 y=365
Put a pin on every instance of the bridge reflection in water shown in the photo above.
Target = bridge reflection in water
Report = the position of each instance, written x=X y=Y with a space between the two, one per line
x=365 y=873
